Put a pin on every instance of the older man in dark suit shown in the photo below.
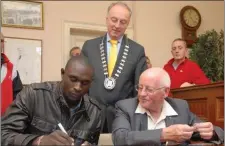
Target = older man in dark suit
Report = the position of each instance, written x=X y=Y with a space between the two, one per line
x=155 y=119
x=117 y=60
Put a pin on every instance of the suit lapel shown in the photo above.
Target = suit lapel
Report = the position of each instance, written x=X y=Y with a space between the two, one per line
x=140 y=123
x=99 y=54
x=105 y=49
x=169 y=121
x=144 y=122
x=137 y=122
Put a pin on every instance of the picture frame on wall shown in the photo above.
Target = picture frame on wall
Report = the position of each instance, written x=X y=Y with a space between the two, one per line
x=22 y=14
x=26 y=56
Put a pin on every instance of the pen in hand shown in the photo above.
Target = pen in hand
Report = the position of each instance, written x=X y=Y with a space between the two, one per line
x=62 y=128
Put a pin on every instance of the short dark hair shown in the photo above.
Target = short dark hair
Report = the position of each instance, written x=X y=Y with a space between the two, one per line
x=180 y=39
x=79 y=59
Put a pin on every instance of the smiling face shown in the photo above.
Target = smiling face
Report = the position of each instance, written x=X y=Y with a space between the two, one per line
x=117 y=21
x=76 y=80
x=150 y=101
x=152 y=89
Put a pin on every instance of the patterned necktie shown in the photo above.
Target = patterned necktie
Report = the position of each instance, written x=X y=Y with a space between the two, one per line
x=112 y=56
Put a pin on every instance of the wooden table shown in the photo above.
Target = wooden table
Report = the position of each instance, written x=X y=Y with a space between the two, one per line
x=196 y=143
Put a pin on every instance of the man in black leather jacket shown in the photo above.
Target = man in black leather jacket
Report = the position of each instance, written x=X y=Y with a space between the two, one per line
x=34 y=116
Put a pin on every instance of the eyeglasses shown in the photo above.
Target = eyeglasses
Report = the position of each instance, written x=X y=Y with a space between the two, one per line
x=147 y=89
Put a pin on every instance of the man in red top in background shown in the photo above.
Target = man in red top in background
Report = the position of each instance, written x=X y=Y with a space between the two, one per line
x=10 y=80
x=183 y=72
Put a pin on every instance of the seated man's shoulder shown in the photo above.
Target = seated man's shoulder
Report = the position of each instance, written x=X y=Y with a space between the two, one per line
x=129 y=104
x=92 y=102
x=126 y=101
x=48 y=86
x=168 y=64
x=176 y=102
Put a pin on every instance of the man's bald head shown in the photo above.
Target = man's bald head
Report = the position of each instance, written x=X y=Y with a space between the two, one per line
x=78 y=60
x=157 y=75
x=153 y=88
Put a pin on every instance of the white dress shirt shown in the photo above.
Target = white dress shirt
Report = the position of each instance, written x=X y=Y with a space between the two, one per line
x=167 y=110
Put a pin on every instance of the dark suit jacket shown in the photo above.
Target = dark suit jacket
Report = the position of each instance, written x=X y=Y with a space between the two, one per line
x=134 y=66
x=130 y=128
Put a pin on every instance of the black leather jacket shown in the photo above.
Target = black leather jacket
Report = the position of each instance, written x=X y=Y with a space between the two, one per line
x=39 y=108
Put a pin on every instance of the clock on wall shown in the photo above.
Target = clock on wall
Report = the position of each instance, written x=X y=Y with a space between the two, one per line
x=190 y=19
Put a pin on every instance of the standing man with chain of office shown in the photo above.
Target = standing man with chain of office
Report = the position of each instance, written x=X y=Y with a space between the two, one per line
x=117 y=61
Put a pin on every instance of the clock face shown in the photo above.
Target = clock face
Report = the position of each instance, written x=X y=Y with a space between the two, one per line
x=191 y=17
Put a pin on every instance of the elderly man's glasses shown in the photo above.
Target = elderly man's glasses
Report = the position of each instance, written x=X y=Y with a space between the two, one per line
x=147 y=89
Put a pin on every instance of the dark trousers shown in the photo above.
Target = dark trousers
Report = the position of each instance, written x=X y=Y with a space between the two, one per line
x=105 y=127
x=108 y=117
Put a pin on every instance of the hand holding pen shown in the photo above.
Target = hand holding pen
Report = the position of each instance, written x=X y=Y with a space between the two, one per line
x=55 y=138
x=86 y=143
x=62 y=128
x=58 y=137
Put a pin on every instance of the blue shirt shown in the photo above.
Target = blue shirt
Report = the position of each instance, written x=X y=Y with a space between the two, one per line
x=73 y=110
x=109 y=45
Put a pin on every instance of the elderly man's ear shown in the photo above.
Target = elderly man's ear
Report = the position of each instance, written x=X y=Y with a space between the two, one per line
x=167 y=91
